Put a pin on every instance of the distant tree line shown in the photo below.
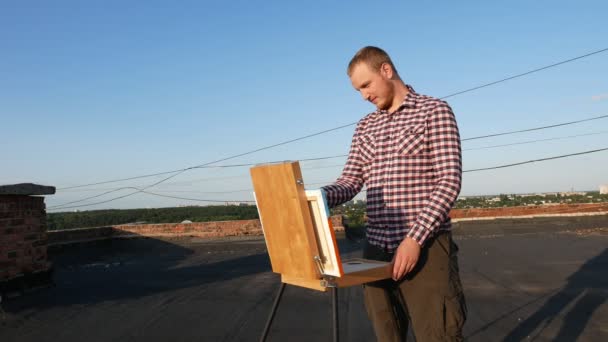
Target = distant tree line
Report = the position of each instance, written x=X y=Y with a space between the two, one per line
x=98 y=218
x=504 y=200
x=354 y=212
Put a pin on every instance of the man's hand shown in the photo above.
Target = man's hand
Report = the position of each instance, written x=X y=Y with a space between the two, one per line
x=405 y=258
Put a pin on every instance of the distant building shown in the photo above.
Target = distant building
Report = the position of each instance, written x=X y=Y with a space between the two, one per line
x=604 y=189
x=573 y=193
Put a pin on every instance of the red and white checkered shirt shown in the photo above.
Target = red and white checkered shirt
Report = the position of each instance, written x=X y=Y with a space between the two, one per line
x=410 y=163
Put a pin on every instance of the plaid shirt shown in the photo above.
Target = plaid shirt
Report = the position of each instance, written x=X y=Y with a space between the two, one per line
x=410 y=163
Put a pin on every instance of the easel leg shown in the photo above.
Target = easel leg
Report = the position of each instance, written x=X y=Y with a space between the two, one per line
x=334 y=294
x=272 y=312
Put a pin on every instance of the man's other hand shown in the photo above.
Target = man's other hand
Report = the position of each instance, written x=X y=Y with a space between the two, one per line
x=405 y=258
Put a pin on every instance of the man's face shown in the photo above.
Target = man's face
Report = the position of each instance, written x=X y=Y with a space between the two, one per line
x=375 y=86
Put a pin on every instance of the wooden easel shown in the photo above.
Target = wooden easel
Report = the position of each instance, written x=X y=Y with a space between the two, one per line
x=300 y=240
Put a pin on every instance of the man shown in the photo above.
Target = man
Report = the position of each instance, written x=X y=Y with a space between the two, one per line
x=407 y=154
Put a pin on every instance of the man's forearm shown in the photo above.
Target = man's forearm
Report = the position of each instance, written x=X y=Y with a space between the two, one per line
x=437 y=210
x=343 y=190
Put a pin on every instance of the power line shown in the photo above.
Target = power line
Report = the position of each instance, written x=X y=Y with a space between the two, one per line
x=536 y=160
x=537 y=128
x=193 y=199
x=189 y=168
x=353 y=123
x=526 y=73
x=119 y=180
x=91 y=197
x=533 y=141
x=205 y=192
x=138 y=190
x=324 y=167
x=271 y=162
x=149 y=193
x=166 y=196
x=311 y=168
x=275 y=145
x=110 y=190
x=220 y=160
x=178 y=172
x=341 y=156
x=465 y=139
x=207 y=179
x=319 y=183
x=63 y=205
x=340 y=165
x=323 y=158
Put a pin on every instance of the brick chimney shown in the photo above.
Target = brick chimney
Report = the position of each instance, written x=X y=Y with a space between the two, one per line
x=23 y=239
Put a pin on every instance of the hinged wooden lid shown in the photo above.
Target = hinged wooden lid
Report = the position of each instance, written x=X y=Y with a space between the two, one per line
x=286 y=220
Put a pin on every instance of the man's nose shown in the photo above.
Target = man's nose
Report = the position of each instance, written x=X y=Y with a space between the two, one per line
x=364 y=95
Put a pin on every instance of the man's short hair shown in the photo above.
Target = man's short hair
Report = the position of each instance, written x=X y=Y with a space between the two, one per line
x=373 y=56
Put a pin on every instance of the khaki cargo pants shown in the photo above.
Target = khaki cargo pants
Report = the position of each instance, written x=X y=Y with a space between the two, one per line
x=430 y=298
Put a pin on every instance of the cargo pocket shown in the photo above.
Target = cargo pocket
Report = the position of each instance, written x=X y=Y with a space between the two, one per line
x=455 y=306
x=454 y=316
x=411 y=140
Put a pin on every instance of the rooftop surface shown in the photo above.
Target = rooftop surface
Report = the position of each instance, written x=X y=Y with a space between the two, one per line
x=540 y=285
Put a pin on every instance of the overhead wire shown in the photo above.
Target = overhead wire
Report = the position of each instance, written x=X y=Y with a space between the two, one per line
x=353 y=123
x=537 y=128
x=319 y=183
x=195 y=199
x=339 y=156
x=166 y=196
x=533 y=141
x=536 y=160
x=178 y=172
x=91 y=197
x=325 y=157
x=526 y=73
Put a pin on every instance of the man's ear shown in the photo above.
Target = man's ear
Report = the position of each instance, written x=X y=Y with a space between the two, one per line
x=386 y=70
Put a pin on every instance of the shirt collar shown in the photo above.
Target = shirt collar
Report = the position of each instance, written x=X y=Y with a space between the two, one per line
x=410 y=99
x=408 y=102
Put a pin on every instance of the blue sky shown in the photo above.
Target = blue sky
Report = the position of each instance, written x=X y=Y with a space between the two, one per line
x=98 y=90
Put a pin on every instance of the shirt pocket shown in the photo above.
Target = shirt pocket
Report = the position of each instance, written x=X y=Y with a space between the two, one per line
x=367 y=146
x=411 y=139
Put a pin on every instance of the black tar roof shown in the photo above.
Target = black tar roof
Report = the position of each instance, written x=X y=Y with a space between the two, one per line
x=543 y=285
